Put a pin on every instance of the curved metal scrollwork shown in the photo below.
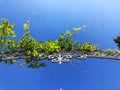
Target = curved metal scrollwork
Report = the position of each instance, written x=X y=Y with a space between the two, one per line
x=60 y=58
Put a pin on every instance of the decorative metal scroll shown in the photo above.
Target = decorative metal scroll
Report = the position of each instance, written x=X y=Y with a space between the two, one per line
x=60 y=58
x=65 y=58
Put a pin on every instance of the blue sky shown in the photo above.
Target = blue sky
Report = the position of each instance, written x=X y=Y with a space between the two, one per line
x=49 y=18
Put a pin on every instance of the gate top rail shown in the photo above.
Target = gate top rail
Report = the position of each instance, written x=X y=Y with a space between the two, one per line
x=64 y=57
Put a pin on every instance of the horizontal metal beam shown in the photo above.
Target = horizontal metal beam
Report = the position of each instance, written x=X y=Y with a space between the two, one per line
x=63 y=57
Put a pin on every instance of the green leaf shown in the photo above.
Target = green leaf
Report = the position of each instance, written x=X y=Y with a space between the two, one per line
x=26 y=26
x=68 y=32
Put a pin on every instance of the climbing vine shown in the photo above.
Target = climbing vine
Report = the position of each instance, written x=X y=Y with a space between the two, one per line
x=34 y=50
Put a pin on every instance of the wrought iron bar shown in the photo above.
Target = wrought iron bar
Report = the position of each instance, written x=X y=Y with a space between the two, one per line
x=63 y=57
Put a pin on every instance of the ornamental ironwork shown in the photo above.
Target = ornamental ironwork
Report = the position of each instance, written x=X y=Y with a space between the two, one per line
x=60 y=58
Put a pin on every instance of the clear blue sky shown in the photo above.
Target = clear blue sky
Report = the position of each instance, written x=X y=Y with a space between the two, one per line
x=49 y=18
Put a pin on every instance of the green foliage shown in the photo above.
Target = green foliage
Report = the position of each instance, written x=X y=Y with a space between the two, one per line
x=52 y=46
x=36 y=64
x=9 y=62
x=65 y=41
x=29 y=45
x=75 y=45
x=7 y=35
x=6 y=29
x=32 y=63
x=32 y=49
x=88 y=47
x=26 y=25
x=117 y=41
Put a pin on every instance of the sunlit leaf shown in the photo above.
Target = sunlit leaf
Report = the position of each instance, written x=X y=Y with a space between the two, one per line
x=77 y=29
x=26 y=26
